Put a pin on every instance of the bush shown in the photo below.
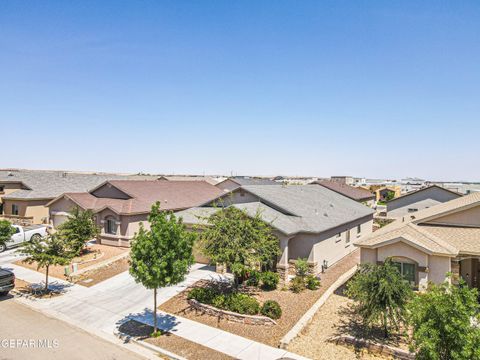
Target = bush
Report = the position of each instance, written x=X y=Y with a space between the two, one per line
x=203 y=295
x=270 y=280
x=253 y=278
x=301 y=267
x=242 y=304
x=271 y=309
x=219 y=301
x=298 y=284
x=312 y=282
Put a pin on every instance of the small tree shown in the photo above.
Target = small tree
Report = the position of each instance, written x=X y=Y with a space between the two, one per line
x=6 y=232
x=382 y=295
x=239 y=241
x=78 y=229
x=162 y=255
x=46 y=252
x=442 y=323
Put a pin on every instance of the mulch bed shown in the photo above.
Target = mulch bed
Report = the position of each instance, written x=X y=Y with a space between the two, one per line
x=171 y=342
x=96 y=253
x=293 y=307
x=96 y=276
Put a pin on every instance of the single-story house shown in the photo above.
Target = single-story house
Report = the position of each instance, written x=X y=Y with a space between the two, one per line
x=121 y=205
x=236 y=182
x=355 y=193
x=311 y=222
x=428 y=244
x=419 y=200
x=25 y=193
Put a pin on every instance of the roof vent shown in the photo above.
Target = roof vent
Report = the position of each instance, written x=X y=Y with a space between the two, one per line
x=325 y=214
x=331 y=205
x=10 y=173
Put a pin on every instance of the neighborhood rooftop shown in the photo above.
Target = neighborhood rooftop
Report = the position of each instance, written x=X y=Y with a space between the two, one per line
x=355 y=193
x=293 y=209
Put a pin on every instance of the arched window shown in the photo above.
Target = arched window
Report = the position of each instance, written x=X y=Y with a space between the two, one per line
x=110 y=226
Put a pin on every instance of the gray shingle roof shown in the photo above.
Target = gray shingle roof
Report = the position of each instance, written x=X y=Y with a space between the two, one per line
x=294 y=209
x=50 y=184
x=245 y=180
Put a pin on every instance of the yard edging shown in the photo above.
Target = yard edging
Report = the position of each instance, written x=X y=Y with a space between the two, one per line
x=230 y=315
x=157 y=349
x=307 y=317
x=102 y=264
x=373 y=347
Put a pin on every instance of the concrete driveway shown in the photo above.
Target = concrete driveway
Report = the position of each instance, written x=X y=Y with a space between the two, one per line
x=59 y=339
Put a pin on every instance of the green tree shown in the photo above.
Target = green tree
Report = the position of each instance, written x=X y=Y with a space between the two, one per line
x=46 y=252
x=162 y=255
x=79 y=228
x=239 y=241
x=442 y=323
x=6 y=232
x=381 y=294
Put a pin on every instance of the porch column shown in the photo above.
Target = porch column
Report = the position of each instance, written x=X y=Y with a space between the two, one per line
x=282 y=265
x=455 y=267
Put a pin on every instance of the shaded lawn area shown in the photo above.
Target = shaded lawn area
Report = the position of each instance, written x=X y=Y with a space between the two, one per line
x=172 y=342
x=94 y=254
x=338 y=317
x=293 y=306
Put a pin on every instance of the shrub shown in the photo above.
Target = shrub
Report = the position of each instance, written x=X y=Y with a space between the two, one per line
x=301 y=267
x=271 y=309
x=298 y=284
x=203 y=295
x=219 y=301
x=253 y=278
x=312 y=282
x=270 y=280
x=242 y=304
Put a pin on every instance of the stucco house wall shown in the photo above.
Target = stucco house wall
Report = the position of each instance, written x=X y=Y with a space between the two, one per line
x=469 y=217
x=34 y=209
x=418 y=200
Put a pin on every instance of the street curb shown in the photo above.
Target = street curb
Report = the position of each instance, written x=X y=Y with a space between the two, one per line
x=128 y=338
x=307 y=317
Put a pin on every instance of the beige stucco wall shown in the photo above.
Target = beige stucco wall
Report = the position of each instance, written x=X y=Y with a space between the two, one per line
x=470 y=217
x=28 y=208
x=401 y=249
x=368 y=256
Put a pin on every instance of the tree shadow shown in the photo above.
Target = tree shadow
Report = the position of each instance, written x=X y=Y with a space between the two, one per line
x=165 y=322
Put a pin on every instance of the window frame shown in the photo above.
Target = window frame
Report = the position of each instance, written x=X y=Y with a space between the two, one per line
x=111 y=226
x=15 y=210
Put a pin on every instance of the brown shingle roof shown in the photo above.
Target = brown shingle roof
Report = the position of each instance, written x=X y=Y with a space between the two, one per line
x=173 y=195
x=357 y=194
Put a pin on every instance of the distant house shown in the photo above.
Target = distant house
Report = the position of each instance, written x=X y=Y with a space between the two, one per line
x=235 y=182
x=121 y=205
x=311 y=222
x=347 y=180
x=419 y=200
x=355 y=193
x=208 y=179
x=386 y=193
x=25 y=193
x=428 y=244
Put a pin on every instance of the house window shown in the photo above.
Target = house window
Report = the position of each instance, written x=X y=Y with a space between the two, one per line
x=347 y=240
x=15 y=209
x=359 y=229
x=410 y=210
x=407 y=270
x=338 y=237
x=2 y=188
x=110 y=226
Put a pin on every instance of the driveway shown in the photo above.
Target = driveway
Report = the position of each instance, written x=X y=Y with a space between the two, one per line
x=9 y=256
x=61 y=340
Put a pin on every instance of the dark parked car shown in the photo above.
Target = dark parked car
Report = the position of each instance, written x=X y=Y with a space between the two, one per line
x=7 y=281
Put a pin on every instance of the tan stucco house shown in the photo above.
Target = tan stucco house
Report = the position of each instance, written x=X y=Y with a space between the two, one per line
x=121 y=205
x=430 y=243
x=25 y=193
x=310 y=222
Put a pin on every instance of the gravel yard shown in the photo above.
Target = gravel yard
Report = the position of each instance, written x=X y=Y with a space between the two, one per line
x=97 y=253
x=171 y=342
x=334 y=318
x=293 y=307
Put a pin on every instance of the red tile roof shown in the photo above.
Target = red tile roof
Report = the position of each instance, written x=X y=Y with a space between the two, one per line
x=354 y=193
x=173 y=195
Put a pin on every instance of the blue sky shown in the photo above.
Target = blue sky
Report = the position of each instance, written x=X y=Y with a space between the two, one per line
x=365 y=88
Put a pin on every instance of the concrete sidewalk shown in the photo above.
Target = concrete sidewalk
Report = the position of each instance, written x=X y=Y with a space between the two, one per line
x=233 y=345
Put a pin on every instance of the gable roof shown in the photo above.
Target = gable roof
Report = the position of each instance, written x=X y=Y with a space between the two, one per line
x=296 y=208
x=438 y=239
x=208 y=179
x=173 y=195
x=246 y=180
x=50 y=184
x=355 y=193
x=423 y=190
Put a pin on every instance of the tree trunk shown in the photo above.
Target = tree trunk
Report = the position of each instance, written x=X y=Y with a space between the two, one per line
x=46 y=279
x=155 y=310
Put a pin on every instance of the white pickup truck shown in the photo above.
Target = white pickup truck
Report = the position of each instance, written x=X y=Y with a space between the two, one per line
x=23 y=234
